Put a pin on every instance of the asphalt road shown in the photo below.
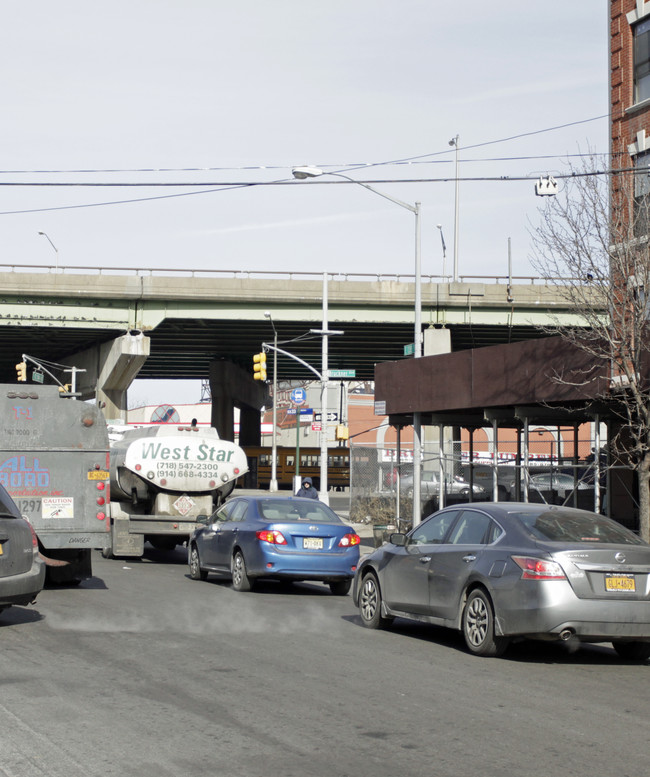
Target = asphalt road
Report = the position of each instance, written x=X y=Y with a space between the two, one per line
x=142 y=671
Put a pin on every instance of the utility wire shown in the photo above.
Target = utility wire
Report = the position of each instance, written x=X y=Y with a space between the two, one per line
x=228 y=186
x=420 y=159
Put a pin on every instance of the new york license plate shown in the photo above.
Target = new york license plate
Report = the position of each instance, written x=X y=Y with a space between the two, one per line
x=620 y=583
x=312 y=543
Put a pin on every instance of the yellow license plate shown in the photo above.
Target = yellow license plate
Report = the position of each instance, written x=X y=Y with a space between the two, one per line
x=98 y=474
x=312 y=543
x=620 y=583
x=0 y=549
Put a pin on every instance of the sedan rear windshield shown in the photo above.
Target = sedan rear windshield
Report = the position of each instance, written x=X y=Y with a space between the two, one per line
x=289 y=510
x=561 y=525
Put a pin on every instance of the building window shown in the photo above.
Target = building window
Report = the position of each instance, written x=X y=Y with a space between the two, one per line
x=642 y=61
x=641 y=193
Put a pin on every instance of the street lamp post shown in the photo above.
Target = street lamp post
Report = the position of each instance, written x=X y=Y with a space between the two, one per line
x=56 y=269
x=273 y=486
x=444 y=252
x=309 y=171
x=454 y=142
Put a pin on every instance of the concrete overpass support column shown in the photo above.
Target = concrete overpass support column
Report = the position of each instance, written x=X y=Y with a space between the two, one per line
x=231 y=387
x=249 y=426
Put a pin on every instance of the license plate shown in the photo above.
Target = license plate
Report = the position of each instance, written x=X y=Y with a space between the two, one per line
x=0 y=549
x=312 y=543
x=98 y=474
x=620 y=583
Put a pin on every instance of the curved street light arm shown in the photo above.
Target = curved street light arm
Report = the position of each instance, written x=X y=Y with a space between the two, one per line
x=268 y=346
x=401 y=203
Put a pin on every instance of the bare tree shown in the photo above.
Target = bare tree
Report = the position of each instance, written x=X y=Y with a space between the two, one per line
x=592 y=243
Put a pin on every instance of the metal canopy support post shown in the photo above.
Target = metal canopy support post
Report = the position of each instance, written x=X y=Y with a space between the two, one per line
x=597 y=464
x=495 y=461
x=397 y=469
x=524 y=479
x=441 y=467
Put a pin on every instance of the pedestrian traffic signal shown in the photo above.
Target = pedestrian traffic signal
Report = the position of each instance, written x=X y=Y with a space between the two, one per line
x=259 y=366
x=21 y=369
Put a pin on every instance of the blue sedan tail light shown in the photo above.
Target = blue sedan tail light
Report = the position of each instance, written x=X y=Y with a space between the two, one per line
x=270 y=535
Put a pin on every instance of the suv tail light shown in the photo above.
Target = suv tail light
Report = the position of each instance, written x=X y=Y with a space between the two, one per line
x=34 y=538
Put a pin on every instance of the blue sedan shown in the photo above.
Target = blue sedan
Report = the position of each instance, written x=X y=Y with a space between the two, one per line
x=275 y=537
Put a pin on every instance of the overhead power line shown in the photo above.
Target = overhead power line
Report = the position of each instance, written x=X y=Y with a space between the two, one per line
x=220 y=186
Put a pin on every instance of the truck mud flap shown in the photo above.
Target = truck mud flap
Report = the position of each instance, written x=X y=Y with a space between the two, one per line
x=67 y=566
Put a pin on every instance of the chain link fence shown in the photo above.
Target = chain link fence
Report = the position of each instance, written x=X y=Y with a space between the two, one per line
x=381 y=490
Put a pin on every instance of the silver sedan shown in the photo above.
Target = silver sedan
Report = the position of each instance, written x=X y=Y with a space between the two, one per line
x=509 y=570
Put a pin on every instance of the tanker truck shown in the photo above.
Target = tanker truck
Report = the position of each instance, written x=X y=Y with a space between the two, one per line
x=162 y=478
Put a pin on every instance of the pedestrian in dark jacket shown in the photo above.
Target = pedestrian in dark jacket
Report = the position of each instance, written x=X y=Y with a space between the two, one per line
x=307 y=489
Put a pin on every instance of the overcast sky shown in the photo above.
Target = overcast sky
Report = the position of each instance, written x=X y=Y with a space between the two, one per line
x=214 y=93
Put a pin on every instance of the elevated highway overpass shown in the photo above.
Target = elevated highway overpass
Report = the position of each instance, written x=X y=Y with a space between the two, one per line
x=121 y=323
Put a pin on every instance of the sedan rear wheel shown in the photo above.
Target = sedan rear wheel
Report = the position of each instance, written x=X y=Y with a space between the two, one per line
x=196 y=573
x=633 y=651
x=240 y=579
x=370 y=604
x=478 y=626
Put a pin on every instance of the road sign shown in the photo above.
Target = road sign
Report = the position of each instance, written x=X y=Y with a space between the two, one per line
x=301 y=410
x=342 y=373
x=409 y=349
x=331 y=417
x=298 y=396
x=317 y=427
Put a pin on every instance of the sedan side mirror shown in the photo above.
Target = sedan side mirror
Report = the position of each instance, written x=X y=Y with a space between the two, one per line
x=397 y=539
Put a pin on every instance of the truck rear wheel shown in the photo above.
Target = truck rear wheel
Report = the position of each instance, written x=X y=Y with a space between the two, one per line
x=163 y=543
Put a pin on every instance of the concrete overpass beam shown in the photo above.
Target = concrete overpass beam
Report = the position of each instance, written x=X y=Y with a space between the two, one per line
x=230 y=387
x=109 y=369
x=120 y=362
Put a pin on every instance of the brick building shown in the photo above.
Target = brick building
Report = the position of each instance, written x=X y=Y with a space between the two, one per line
x=630 y=103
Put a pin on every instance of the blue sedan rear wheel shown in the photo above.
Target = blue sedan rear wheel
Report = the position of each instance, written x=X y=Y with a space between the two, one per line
x=370 y=604
x=240 y=579
x=478 y=626
x=340 y=587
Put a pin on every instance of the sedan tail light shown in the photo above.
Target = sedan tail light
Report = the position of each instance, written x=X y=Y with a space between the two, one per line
x=272 y=536
x=538 y=568
x=349 y=540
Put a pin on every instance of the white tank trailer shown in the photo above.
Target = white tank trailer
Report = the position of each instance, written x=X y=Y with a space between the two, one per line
x=162 y=478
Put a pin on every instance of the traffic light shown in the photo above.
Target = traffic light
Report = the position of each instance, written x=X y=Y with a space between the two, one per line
x=21 y=369
x=259 y=366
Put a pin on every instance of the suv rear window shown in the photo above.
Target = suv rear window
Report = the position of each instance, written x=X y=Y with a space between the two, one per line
x=7 y=504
